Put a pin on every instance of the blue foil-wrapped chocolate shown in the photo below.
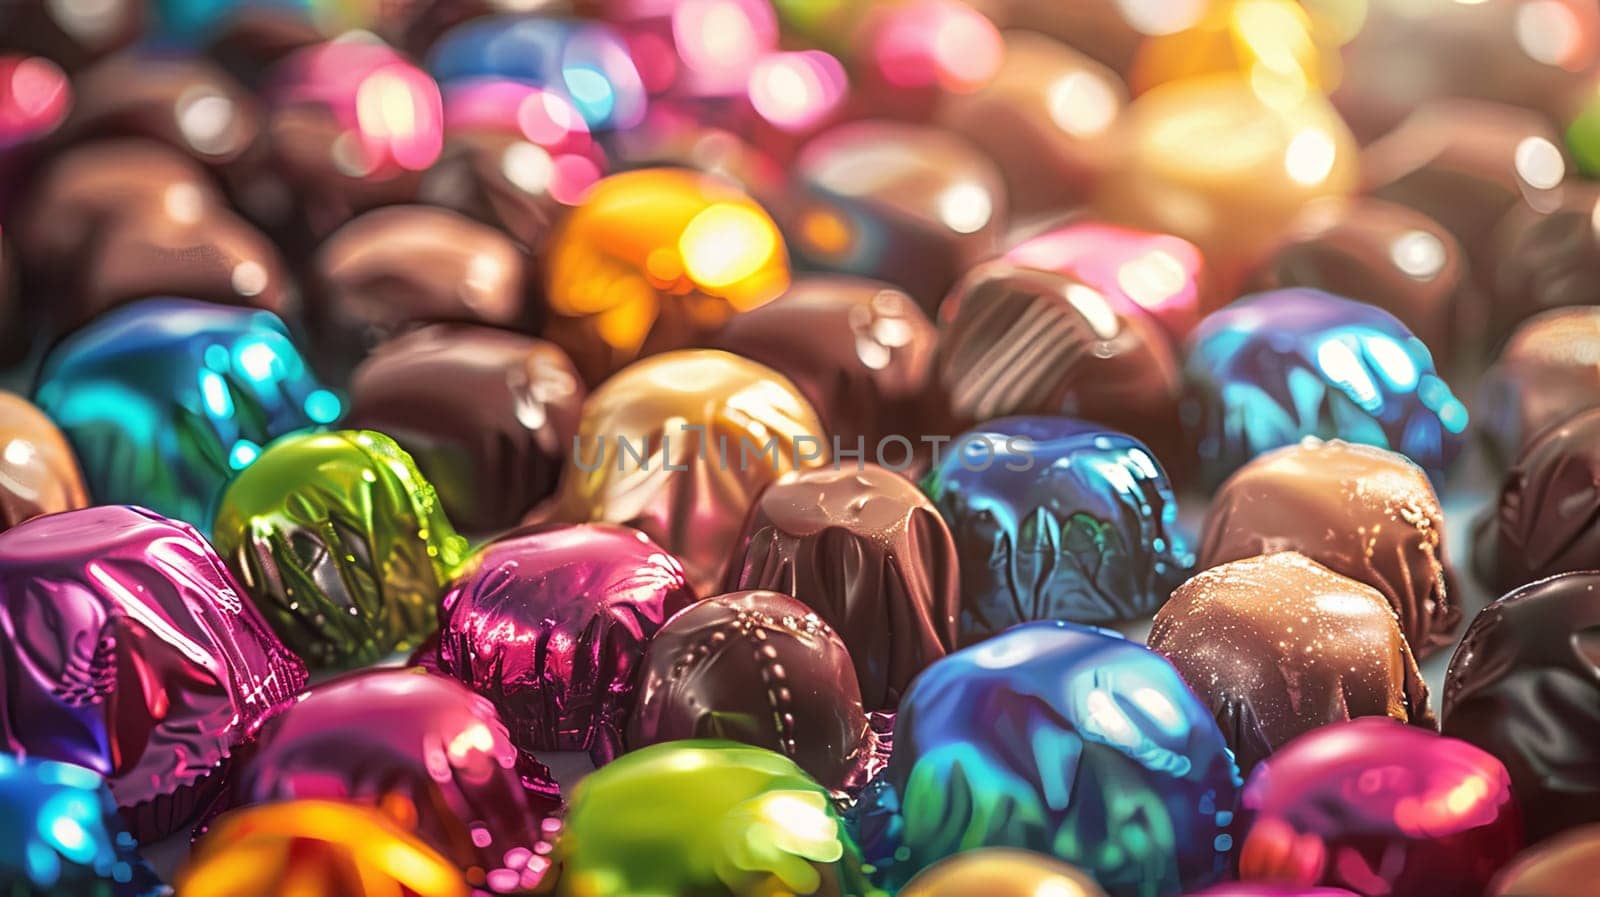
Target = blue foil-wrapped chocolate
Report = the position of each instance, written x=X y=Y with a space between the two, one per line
x=60 y=834
x=586 y=61
x=1062 y=739
x=1275 y=367
x=1057 y=519
x=165 y=399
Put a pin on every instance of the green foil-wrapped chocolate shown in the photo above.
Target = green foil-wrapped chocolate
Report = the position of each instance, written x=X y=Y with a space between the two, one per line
x=707 y=818
x=341 y=543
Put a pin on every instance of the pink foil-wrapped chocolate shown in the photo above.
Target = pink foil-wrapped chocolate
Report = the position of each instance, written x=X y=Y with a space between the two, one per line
x=551 y=627
x=430 y=754
x=129 y=650
x=1382 y=809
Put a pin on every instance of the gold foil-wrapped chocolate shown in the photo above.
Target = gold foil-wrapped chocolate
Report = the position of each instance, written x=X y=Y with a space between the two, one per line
x=1001 y=872
x=38 y=472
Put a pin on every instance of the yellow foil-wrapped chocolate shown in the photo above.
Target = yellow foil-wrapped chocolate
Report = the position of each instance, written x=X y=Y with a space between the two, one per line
x=315 y=848
x=654 y=260
x=1273 y=43
x=1001 y=872
x=679 y=445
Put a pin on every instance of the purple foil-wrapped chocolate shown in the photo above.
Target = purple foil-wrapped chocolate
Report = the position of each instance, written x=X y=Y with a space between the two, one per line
x=128 y=650
x=430 y=754
x=551 y=627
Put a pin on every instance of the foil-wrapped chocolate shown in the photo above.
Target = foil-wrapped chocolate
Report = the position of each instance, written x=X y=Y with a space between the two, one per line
x=1543 y=255
x=1547 y=371
x=165 y=399
x=325 y=848
x=760 y=668
x=429 y=754
x=1057 y=519
x=1564 y=866
x=1523 y=685
x=1360 y=511
x=1544 y=521
x=64 y=836
x=1278 y=645
x=860 y=351
x=1380 y=808
x=38 y=472
x=1263 y=889
x=709 y=818
x=590 y=597
x=183 y=101
x=656 y=260
x=1062 y=739
x=341 y=543
x=870 y=555
x=404 y=265
x=1001 y=872
x=1275 y=43
x=488 y=415
x=679 y=445
x=1275 y=367
x=134 y=655
x=907 y=204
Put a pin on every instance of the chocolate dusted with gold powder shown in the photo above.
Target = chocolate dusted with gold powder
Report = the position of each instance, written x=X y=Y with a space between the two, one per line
x=1548 y=371
x=1277 y=645
x=679 y=445
x=1547 y=517
x=1360 y=511
x=38 y=472
x=903 y=203
x=1524 y=685
x=870 y=554
x=1544 y=257
x=1564 y=866
x=861 y=351
x=488 y=415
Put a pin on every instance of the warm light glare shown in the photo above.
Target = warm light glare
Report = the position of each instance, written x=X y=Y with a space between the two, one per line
x=1310 y=156
x=965 y=207
x=796 y=91
x=725 y=244
x=1082 y=104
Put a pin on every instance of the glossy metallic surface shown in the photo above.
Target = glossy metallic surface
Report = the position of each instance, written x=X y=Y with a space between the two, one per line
x=341 y=543
x=1544 y=521
x=1548 y=371
x=551 y=626
x=870 y=555
x=1360 y=511
x=1275 y=367
x=315 y=848
x=430 y=755
x=1057 y=519
x=1523 y=685
x=1278 y=645
x=38 y=472
x=62 y=834
x=1565 y=866
x=163 y=400
x=1380 y=808
x=709 y=818
x=1001 y=872
x=1066 y=740
x=690 y=490
x=132 y=652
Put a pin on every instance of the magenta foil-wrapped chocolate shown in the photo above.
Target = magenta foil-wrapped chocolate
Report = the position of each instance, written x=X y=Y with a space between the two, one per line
x=127 y=649
x=430 y=754
x=551 y=626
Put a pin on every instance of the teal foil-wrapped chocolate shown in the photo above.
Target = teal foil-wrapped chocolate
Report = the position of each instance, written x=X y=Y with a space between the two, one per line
x=1057 y=519
x=60 y=835
x=165 y=399
x=341 y=543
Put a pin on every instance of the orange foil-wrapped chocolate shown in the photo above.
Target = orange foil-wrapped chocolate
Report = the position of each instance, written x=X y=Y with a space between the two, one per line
x=655 y=260
x=679 y=445
x=38 y=472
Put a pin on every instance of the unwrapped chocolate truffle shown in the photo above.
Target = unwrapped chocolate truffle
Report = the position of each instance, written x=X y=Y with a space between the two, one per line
x=183 y=101
x=1566 y=866
x=1062 y=739
x=62 y=835
x=488 y=415
x=1279 y=645
x=1380 y=808
x=325 y=848
x=709 y=818
x=133 y=654
x=1544 y=521
x=861 y=352
x=907 y=204
x=679 y=445
x=1057 y=519
x=550 y=627
x=38 y=472
x=1543 y=255
x=1275 y=367
x=1001 y=872
x=341 y=543
x=427 y=752
x=1360 y=511
x=1548 y=371
x=763 y=669
x=655 y=260
x=165 y=399
x=870 y=554
x=1524 y=686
